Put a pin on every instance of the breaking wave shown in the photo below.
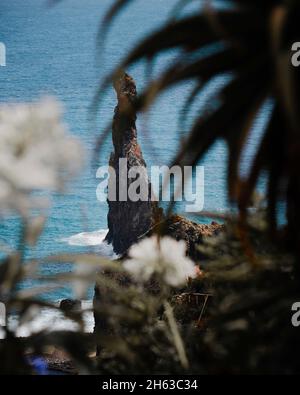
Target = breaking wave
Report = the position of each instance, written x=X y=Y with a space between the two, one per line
x=94 y=239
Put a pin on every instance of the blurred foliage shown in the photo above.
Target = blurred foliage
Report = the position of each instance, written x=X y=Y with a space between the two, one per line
x=234 y=318
x=134 y=334
x=249 y=283
x=251 y=41
x=249 y=329
x=131 y=335
x=252 y=269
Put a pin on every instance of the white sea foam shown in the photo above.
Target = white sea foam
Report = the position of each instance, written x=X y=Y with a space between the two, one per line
x=92 y=239
x=50 y=320
x=95 y=238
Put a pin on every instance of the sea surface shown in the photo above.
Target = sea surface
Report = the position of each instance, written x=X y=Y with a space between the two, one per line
x=53 y=51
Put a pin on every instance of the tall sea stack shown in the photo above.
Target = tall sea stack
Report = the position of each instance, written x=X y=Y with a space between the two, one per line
x=127 y=220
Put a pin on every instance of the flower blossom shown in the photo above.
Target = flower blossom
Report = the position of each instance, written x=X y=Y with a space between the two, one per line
x=164 y=257
x=36 y=152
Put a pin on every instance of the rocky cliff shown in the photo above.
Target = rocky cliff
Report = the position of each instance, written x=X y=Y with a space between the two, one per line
x=180 y=228
x=127 y=219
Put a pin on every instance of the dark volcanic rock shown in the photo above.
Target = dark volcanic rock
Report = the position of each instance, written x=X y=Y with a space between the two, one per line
x=192 y=233
x=127 y=220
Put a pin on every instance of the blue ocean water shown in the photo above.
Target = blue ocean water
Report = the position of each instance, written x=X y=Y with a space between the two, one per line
x=52 y=51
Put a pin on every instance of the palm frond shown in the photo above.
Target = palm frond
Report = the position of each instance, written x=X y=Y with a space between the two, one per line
x=251 y=40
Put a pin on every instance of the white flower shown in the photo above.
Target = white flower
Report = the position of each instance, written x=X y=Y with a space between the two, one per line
x=36 y=152
x=164 y=257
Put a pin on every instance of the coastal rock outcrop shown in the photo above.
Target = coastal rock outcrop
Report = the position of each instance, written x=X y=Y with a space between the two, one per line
x=127 y=219
x=180 y=228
